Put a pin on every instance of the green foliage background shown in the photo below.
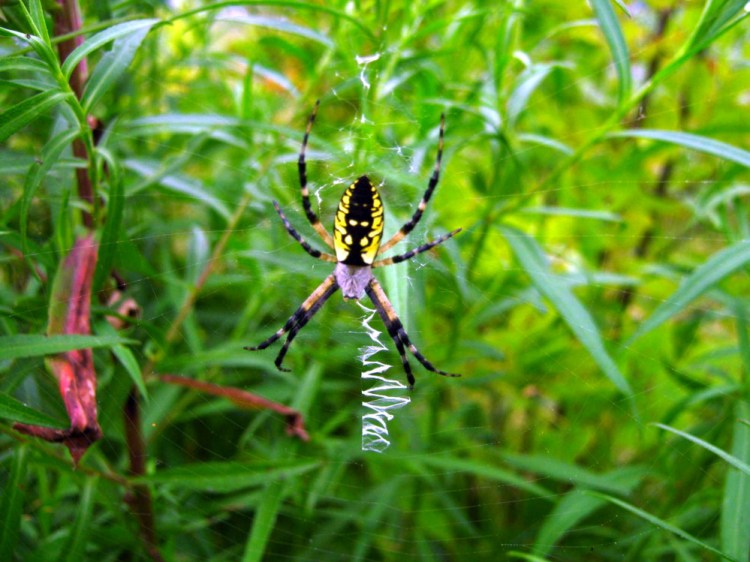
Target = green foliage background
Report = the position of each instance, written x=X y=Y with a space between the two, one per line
x=596 y=160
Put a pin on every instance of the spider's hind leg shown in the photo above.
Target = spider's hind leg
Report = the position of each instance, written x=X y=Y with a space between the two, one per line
x=297 y=321
x=397 y=332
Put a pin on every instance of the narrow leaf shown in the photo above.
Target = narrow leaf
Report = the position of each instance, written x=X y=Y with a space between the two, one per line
x=732 y=460
x=26 y=111
x=281 y=25
x=130 y=363
x=37 y=172
x=568 y=473
x=21 y=63
x=75 y=546
x=715 y=269
x=102 y=38
x=610 y=26
x=689 y=140
x=11 y=504
x=573 y=508
x=13 y=410
x=570 y=308
x=485 y=470
x=528 y=82
x=227 y=476
x=109 y=244
x=112 y=66
x=663 y=525
x=264 y=521
x=36 y=345
x=735 y=515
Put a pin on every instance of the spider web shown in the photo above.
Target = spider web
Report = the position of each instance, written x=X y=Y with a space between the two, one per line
x=378 y=399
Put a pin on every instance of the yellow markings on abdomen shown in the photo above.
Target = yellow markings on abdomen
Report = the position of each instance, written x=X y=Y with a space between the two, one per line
x=358 y=226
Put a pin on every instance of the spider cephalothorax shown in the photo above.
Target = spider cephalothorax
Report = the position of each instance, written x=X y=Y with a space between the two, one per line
x=357 y=233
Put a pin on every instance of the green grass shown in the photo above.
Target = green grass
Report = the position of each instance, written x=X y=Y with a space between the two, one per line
x=596 y=157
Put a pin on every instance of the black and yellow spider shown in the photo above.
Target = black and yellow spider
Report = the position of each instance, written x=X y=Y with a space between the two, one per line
x=357 y=231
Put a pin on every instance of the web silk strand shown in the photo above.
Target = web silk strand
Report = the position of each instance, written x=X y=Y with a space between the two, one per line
x=377 y=400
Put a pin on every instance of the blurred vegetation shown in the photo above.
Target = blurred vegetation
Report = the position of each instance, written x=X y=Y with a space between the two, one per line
x=595 y=156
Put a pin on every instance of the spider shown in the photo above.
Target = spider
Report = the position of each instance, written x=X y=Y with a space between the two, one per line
x=357 y=233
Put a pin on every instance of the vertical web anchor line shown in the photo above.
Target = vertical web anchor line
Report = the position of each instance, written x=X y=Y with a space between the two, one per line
x=377 y=400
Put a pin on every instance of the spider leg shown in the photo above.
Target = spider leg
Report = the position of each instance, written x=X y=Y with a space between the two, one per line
x=297 y=321
x=397 y=332
x=411 y=253
x=302 y=166
x=298 y=237
x=409 y=226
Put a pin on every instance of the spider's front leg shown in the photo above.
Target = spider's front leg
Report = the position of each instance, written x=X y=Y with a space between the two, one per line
x=297 y=321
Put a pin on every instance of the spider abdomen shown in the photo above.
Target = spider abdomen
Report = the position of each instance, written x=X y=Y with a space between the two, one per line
x=358 y=225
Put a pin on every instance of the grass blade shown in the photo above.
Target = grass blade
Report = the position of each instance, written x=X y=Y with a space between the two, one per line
x=102 y=38
x=109 y=245
x=79 y=533
x=11 y=504
x=715 y=269
x=570 y=308
x=264 y=521
x=663 y=524
x=37 y=172
x=735 y=515
x=484 y=470
x=227 y=476
x=12 y=409
x=574 y=507
x=689 y=140
x=112 y=66
x=732 y=460
x=610 y=26
x=36 y=345
x=25 y=112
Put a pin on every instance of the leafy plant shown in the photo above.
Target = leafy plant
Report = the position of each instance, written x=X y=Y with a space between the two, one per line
x=595 y=302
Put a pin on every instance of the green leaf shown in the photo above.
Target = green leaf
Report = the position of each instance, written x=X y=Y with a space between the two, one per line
x=264 y=521
x=689 y=140
x=663 y=525
x=485 y=470
x=102 y=38
x=577 y=213
x=716 y=18
x=549 y=142
x=570 y=308
x=109 y=244
x=567 y=472
x=732 y=460
x=11 y=503
x=529 y=80
x=112 y=66
x=575 y=506
x=126 y=358
x=610 y=26
x=26 y=111
x=36 y=12
x=190 y=187
x=279 y=24
x=735 y=515
x=37 y=172
x=715 y=269
x=41 y=48
x=24 y=64
x=79 y=535
x=13 y=410
x=35 y=345
x=227 y=476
